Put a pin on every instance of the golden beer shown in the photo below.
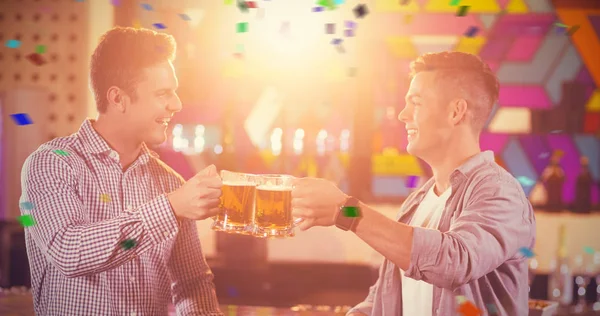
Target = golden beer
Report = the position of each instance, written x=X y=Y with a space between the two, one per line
x=236 y=207
x=273 y=210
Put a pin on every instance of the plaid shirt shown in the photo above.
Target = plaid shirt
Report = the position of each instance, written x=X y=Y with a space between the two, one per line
x=106 y=241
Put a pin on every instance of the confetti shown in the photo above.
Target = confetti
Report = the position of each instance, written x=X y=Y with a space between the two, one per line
x=454 y=2
x=36 y=59
x=242 y=6
x=137 y=24
x=471 y=31
x=228 y=2
x=349 y=33
x=146 y=6
x=232 y=292
x=330 y=28
x=338 y=2
x=318 y=9
x=28 y=206
x=404 y=2
x=526 y=252
x=184 y=17
x=242 y=27
x=251 y=4
x=13 y=43
x=589 y=250
x=462 y=10
x=61 y=152
x=26 y=220
x=105 y=198
x=116 y=2
x=468 y=309
x=525 y=181
x=572 y=30
x=560 y=25
x=329 y=4
x=336 y=41
x=21 y=119
x=411 y=182
x=492 y=309
x=128 y=244
x=544 y=155
x=361 y=11
x=285 y=27
x=350 y=24
x=40 y=49
x=460 y=299
x=351 y=211
x=159 y=26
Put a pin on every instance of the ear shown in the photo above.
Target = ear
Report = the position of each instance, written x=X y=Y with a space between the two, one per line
x=458 y=111
x=117 y=98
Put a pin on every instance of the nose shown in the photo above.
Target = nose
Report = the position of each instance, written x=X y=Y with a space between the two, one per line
x=175 y=105
x=404 y=115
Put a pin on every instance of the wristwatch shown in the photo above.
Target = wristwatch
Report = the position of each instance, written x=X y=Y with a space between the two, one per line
x=349 y=214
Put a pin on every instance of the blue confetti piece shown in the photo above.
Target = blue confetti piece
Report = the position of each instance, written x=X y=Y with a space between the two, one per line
x=146 y=6
x=21 y=118
x=471 y=31
x=159 y=26
x=28 y=206
x=318 y=9
x=232 y=292
x=350 y=24
x=336 y=41
x=492 y=309
x=13 y=43
x=338 y=2
x=184 y=17
x=526 y=252
x=525 y=181
x=411 y=182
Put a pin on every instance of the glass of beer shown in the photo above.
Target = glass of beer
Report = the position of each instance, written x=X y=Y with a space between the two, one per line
x=273 y=209
x=236 y=208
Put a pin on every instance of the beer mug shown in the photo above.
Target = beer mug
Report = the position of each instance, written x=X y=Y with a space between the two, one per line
x=273 y=207
x=236 y=207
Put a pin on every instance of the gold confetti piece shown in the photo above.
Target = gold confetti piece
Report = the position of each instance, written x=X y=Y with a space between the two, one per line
x=105 y=198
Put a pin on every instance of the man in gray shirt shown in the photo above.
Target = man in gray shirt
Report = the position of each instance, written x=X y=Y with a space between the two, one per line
x=459 y=234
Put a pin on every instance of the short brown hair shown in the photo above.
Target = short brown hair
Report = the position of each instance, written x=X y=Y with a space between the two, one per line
x=121 y=56
x=466 y=75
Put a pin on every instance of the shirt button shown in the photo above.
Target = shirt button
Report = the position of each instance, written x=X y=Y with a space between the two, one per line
x=129 y=207
x=113 y=155
x=166 y=234
x=132 y=279
x=133 y=313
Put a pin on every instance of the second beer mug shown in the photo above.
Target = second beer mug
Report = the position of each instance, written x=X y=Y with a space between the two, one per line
x=273 y=210
x=236 y=210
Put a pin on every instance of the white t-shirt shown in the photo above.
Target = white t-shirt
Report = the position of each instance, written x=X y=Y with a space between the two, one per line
x=417 y=296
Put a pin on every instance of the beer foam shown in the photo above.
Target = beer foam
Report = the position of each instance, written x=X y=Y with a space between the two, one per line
x=272 y=187
x=238 y=183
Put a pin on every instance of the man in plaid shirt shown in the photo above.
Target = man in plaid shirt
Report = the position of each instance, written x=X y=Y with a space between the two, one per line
x=115 y=229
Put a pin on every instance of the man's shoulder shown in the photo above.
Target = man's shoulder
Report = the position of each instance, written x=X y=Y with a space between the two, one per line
x=63 y=149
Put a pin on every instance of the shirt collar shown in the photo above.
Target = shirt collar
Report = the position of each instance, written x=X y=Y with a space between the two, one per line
x=93 y=143
x=461 y=173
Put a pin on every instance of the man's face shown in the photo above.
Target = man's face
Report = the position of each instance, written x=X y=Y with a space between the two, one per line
x=426 y=116
x=155 y=104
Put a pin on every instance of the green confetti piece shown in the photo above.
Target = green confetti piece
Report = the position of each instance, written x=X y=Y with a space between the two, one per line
x=460 y=299
x=40 y=49
x=589 y=250
x=228 y=2
x=242 y=27
x=351 y=211
x=26 y=220
x=128 y=244
x=61 y=152
x=492 y=309
x=454 y=2
x=28 y=206
x=243 y=6
x=560 y=25
x=462 y=10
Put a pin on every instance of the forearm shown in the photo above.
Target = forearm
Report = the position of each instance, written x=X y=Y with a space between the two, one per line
x=85 y=249
x=390 y=238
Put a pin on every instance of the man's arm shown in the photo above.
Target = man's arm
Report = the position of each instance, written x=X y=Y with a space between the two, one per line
x=487 y=233
x=192 y=284
x=73 y=245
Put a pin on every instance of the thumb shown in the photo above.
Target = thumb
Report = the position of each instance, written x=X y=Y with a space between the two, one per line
x=208 y=171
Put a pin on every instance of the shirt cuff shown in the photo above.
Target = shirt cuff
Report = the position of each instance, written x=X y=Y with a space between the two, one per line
x=159 y=220
x=425 y=249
